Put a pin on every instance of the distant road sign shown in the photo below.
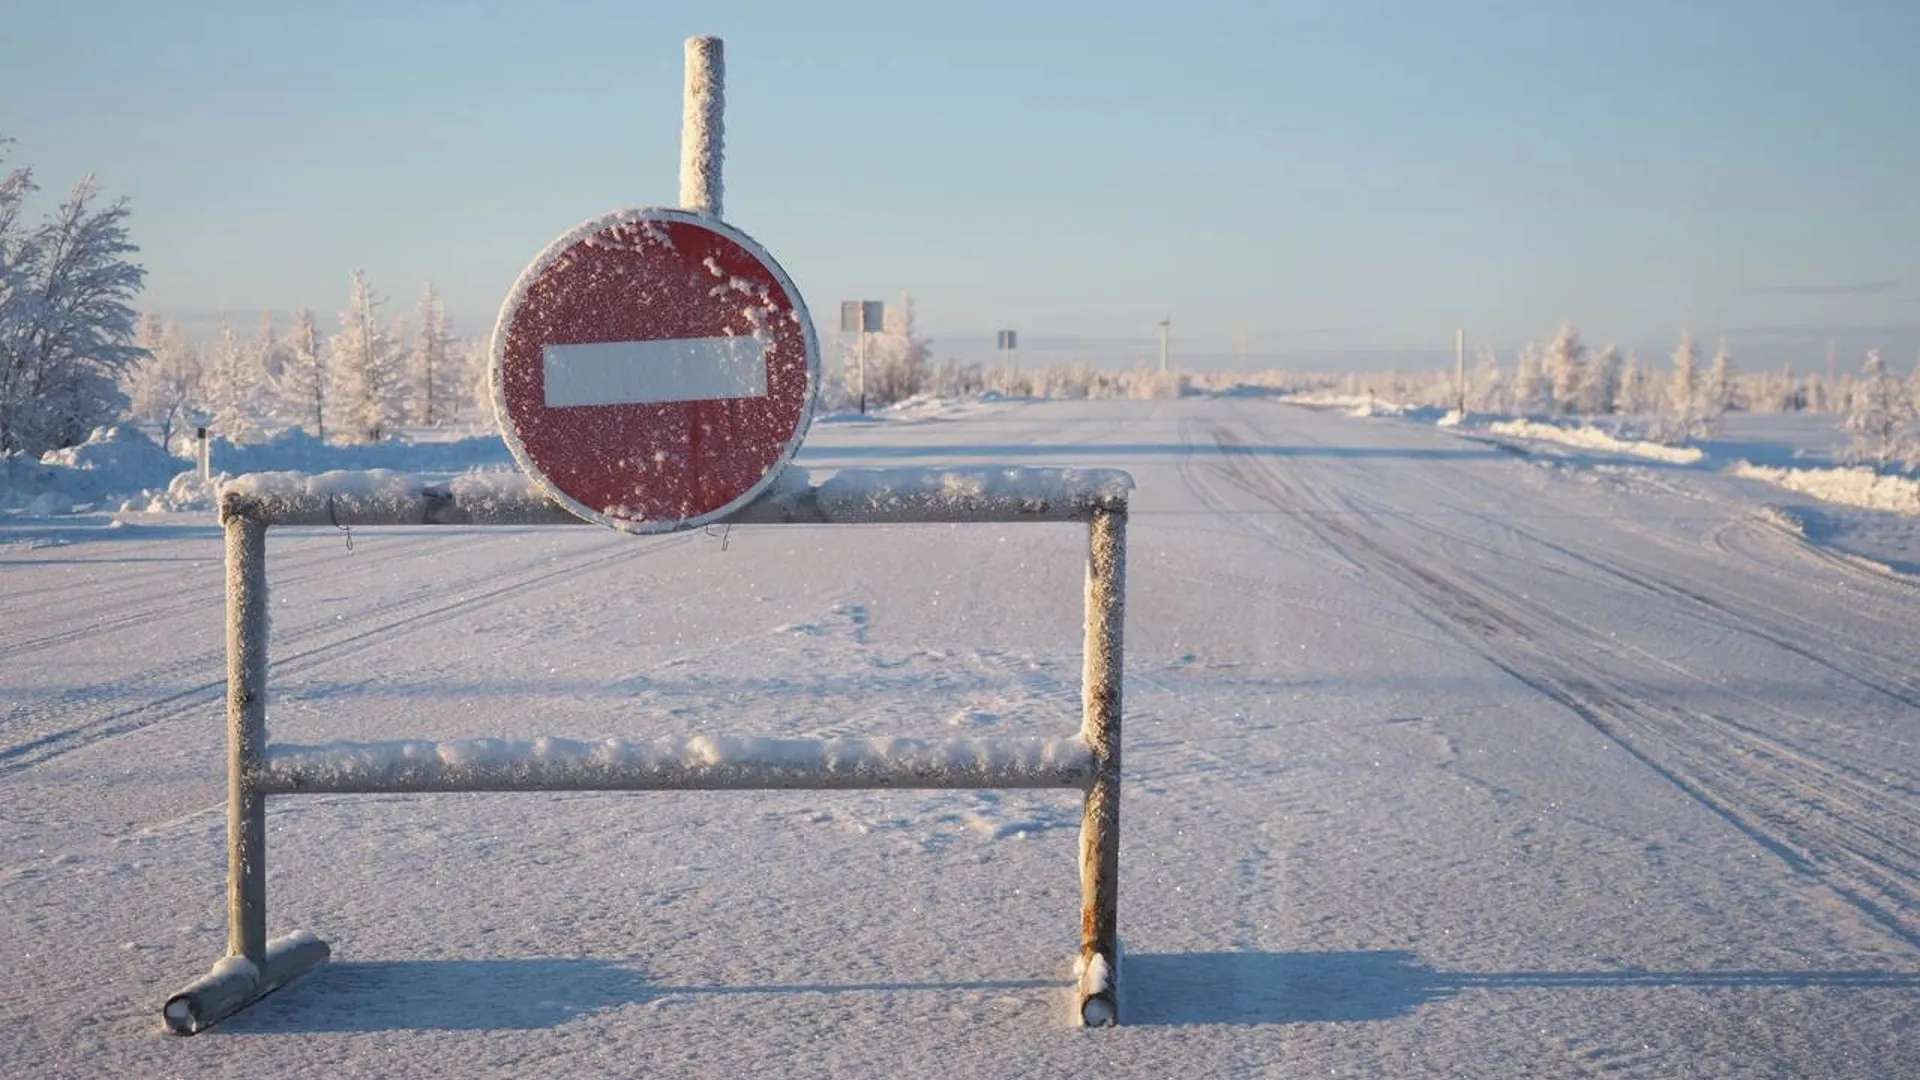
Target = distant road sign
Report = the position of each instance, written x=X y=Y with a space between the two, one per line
x=653 y=370
x=1007 y=339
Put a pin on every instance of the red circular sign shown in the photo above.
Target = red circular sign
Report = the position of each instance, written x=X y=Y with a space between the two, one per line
x=654 y=370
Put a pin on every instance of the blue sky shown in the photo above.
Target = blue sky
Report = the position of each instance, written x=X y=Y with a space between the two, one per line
x=1339 y=181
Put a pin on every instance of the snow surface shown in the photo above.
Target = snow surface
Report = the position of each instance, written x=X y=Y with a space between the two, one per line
x=1441 y=760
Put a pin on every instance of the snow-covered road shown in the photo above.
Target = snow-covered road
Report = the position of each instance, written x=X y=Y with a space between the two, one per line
x=1440 y=760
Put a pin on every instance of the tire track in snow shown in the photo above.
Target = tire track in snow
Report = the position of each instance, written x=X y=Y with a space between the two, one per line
x=190 y=597
x=348 y=640
x=1870 y=864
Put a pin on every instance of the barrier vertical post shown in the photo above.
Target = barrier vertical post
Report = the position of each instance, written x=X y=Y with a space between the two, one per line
x=246 y=738
x=1098 y=966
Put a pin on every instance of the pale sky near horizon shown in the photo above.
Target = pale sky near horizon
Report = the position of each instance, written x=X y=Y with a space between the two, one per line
x=1330 y=179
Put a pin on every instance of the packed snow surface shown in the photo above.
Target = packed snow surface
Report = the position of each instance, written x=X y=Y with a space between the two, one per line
x=1439 y=760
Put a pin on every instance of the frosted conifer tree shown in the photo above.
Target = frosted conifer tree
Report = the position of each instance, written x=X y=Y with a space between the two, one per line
x=1528 y=385
x=66 y=317
x=1565 y=364
x=1721 y=391
x=364 y=368
x=1879 y=411
x=166 y=382
x=1489 y=395
x=1635 y=395
x=1602 y=382
x=1683 y=392
x=269 y=360
x=300 y=393
x=432 y=373
x=233 y=387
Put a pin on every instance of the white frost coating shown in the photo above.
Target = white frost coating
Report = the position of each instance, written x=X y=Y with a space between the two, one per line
x=1594 y=439
x=700 y=761
x=703 y=126
x=947 y=494
x=1858 y=486
x=235 y=967
x=1095 y=980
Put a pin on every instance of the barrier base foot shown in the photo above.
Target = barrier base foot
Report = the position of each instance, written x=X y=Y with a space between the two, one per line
x=1096 y=997
x=236 y=982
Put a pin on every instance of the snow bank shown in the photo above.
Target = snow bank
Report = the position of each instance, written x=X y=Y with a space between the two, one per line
x=1592 y=438
x=114 y=464
x=703 y=762
x=1858 y=486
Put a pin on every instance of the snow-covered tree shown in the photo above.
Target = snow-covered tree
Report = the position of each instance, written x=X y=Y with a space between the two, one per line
x=1529 y=387
x=233 y=387
x=1879 y=413
x=165 y=383
x=1683 y=417
x=897 y=362
x=433 y=373
x=1721 y=391
x=1565 y=364
x=1488 y=393
x=1636 y=395
x=364 y=368
x=66 y=317
x=300 y=393
x=269 y=359
x=1601 y=386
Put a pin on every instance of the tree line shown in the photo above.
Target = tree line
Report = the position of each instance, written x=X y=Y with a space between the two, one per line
x=358 y=384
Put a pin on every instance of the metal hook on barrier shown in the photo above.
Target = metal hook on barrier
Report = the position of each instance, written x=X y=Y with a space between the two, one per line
x=336 y=523
x=725 y=532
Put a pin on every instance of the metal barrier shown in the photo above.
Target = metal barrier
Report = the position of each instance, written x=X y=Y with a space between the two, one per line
x=1088 y=760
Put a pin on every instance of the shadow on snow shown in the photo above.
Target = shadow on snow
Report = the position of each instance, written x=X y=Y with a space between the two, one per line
x=1241 y=988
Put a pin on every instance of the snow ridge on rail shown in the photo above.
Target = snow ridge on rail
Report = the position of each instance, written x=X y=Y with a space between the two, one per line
x=850 y=496
x=697 y=762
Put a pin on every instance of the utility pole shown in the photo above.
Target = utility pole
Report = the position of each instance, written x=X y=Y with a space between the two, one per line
x=1460 y=367
x=1166 y=326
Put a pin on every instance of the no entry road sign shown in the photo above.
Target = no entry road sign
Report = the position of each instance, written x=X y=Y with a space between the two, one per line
x=654 y=370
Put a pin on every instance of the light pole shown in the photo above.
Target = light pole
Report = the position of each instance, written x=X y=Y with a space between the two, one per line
x=1166 y=327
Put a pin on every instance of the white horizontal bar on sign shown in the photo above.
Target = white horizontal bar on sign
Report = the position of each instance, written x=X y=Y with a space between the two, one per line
x=655 y=372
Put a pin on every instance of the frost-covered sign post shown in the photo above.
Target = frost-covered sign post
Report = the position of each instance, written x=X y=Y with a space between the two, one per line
x=655 y=370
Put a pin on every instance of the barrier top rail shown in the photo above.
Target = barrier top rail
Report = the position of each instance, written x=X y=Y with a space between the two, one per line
x=849 y=496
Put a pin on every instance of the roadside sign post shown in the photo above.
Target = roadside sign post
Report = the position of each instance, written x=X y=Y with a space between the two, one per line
x=1005 y=340
x=862 y=317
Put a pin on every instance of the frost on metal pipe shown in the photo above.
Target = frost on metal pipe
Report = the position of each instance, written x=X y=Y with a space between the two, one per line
x=698 y=763
x=850 y=496
x=1100 y=686
x=703 y=126
x=236 y=982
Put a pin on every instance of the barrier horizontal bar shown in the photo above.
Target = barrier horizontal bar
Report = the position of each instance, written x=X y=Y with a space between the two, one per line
x=382 y=497
x=698 y=763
